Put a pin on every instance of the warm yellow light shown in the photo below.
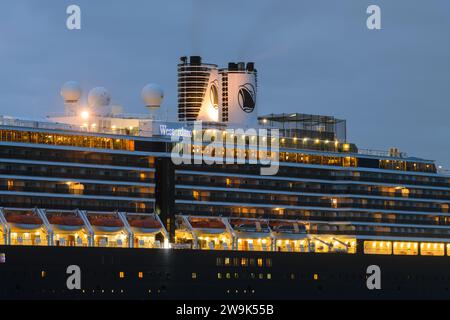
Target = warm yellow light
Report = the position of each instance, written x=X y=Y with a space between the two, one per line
x=85 y=115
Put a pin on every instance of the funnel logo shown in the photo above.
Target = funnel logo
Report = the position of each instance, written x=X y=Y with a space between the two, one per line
x=214 y=95
x=246 y=97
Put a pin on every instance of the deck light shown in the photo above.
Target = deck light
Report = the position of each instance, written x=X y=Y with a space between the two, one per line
x=85 y=115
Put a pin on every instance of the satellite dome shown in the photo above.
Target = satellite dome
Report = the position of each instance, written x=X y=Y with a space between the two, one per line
x=152 y=94
x=98 y=97
x=71 y=91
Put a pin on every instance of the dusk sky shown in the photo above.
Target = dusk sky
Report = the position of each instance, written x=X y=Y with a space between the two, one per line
x=392 y=85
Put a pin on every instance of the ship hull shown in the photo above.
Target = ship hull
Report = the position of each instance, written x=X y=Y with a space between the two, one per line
x=42 y=273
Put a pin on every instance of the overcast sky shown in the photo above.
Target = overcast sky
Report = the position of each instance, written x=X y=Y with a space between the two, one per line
x=392 y=85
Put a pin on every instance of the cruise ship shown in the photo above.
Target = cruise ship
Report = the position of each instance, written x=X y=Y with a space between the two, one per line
x=96 y=203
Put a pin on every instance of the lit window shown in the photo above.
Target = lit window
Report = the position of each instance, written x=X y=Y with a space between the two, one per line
x=316 y=276
x=260 y=262
x=121 y=274
x=236 y=275
x=219 y=275
x=269 y=276
x=244 y=262
x=228 y=275
x=43 y=274
x=227 y=261
x=140 y=275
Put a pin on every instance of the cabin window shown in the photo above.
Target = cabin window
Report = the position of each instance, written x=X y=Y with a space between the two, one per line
x=406 y=248
x=377 y=247
x=260 y=262
x=432 y=249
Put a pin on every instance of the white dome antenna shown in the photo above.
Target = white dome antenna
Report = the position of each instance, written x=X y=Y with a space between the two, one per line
x=153 y=95
x=71 y=92
x=99 y=97
x=99 y=101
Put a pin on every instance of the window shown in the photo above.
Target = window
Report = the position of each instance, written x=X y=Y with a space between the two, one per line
x=316 y=276
x=43 y=274
x=260 y=262
x=121 y=274
x=219 y=275
x=140 y=275
x=194 y=275
x=269 y=276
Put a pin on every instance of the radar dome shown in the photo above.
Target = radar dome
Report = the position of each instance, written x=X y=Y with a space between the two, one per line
x=71 y=91
x=152 y=94
x=98 y=97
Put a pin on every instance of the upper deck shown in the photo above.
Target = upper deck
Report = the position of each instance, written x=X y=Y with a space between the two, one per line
x=309 y=139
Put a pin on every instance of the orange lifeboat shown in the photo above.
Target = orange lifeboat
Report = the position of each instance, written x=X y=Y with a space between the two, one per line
x=207 y=224
x=66 y=221
x=21 y=218
x=105 y=221
x=146 y=223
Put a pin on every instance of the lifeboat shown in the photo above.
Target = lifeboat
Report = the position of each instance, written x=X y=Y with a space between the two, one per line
x=250 y=228
x=145 y=225
x=66 y=222
x=287 y=230
x=216 y=224
x=27 y=221
x=106 y=223
x=208 y=226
